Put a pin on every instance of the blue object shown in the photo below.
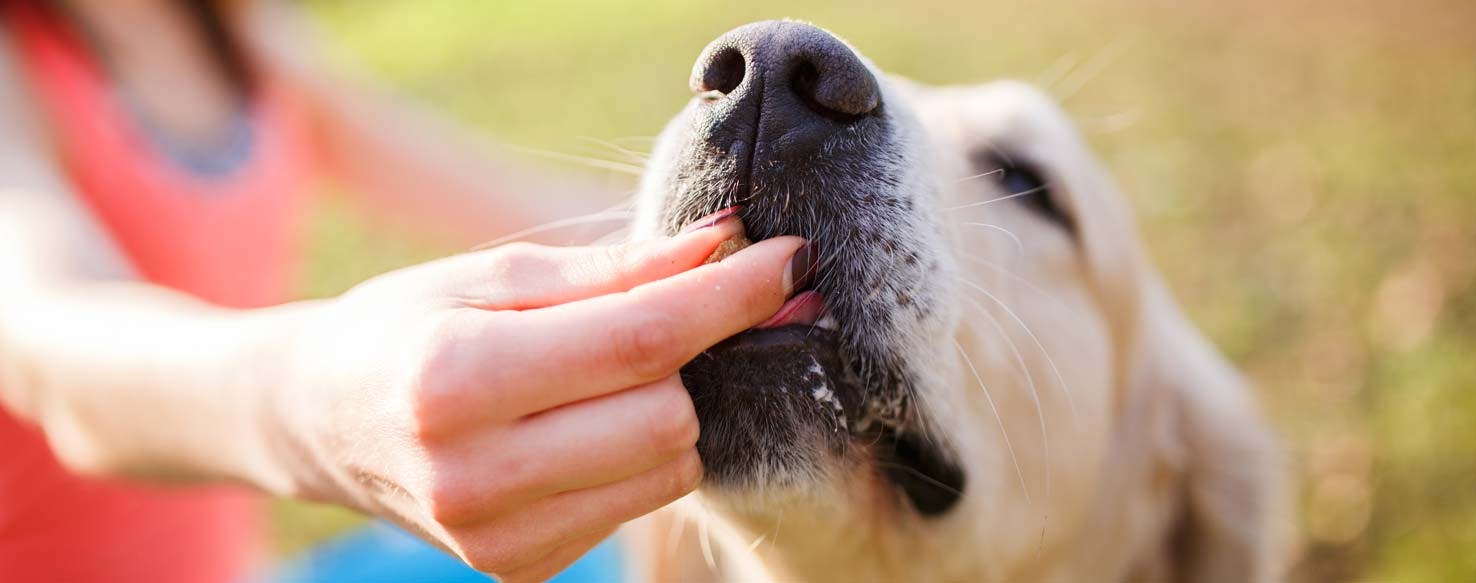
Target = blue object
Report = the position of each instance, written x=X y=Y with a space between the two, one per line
x=382 y=553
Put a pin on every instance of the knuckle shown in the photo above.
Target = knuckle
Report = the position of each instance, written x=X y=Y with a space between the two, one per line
x=425 y=421
x=638 y=256
x=455 y=500
x=512 y=259
x=647 y=346
x=618 y=257
x=497 y=551
x=519 y=249
x=517 y=476
x=614 y=259
x=451 y=504
x=484 y=557
x=686 y=475
x=673 y=423
x=489 y=561
x=433 y=381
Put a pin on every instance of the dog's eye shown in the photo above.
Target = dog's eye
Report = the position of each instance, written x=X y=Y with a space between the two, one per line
x=1024 y=184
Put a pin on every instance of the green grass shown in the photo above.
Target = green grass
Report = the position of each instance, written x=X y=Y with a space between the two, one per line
x=1305 y=177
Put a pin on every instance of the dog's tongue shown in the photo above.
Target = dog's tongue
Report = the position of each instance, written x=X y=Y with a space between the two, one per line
x=805 y=308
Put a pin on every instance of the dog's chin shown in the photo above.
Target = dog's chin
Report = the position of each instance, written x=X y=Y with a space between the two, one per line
x=777 y=406
x=784 y=417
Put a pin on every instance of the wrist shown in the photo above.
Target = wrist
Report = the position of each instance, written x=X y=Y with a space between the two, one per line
x=276 y=456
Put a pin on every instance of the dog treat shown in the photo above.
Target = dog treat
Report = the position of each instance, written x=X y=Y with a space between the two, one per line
x=728 y=247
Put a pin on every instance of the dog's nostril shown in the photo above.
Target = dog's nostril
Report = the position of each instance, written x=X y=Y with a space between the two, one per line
x=723 y=72
x=775 y=92
x=844 y=88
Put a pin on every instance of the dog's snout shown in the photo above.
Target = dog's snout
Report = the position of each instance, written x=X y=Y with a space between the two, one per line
x=786 y=84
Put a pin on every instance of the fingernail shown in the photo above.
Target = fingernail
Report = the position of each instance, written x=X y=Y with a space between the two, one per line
x=802 y=267
x=712 y=220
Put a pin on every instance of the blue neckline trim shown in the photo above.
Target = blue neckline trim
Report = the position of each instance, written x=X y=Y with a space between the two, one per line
x=222 y=155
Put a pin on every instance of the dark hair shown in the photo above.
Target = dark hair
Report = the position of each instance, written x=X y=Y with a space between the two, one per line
x=221 y=41
x=208 y=15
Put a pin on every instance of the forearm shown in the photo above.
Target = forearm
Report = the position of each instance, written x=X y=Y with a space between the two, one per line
x=410 y=165
x=416 y=166
x=124 y=377
x=132 y=379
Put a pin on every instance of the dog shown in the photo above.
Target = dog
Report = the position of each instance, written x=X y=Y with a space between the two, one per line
x=997 y=385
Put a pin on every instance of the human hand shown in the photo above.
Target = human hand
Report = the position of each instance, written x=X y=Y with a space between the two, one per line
x=515 y=405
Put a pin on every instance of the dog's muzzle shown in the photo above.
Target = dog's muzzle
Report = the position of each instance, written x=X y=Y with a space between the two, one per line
x=790 y=123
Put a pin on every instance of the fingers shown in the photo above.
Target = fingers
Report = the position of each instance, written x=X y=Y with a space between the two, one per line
x=526 y=276
x=591 y=347
x=523 y=537
x=558 y=560
x=577 y=446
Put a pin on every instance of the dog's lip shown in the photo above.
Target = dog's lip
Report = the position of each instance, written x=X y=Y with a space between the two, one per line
x=838 y=388
x=805 y=308
x=801 y=326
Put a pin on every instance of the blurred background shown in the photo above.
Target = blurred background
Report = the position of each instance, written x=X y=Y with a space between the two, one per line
x=1305 y=177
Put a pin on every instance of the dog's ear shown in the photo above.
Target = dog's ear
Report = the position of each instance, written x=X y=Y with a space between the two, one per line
x=1227 y=474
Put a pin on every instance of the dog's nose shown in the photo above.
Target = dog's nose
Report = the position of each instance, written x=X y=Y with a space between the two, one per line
x=781 y=88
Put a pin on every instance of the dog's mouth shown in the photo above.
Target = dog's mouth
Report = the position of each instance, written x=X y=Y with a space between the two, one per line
x=788 y=376
x=789 y=124
x=765 y=394
x=797 y=351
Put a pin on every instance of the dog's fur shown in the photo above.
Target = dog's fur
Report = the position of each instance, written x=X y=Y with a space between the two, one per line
x=1103 y=438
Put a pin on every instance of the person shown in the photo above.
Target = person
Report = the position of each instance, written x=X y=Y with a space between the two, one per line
x=512 y=405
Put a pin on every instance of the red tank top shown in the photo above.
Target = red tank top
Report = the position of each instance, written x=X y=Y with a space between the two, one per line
x=226 y=235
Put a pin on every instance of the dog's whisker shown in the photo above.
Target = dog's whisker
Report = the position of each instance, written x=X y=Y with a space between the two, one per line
x=597 y=217
x=1112 y=122
x=1075 y=419
x=1006 y=435
x=1057 y=71
x=1089 y=71
x=704 y=537
x=1027 y=192
x=638 y=158
x=825 y=277
x=1019 y=245
x=675 y=532
x=1070 y=399
x=589 y=161
x=978 y=176
x=926 y=478
x=642 y=139
x=613 y=237
x=1030 y=380
x=1027 y=283
x=778 y=524
x=1045 y=518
